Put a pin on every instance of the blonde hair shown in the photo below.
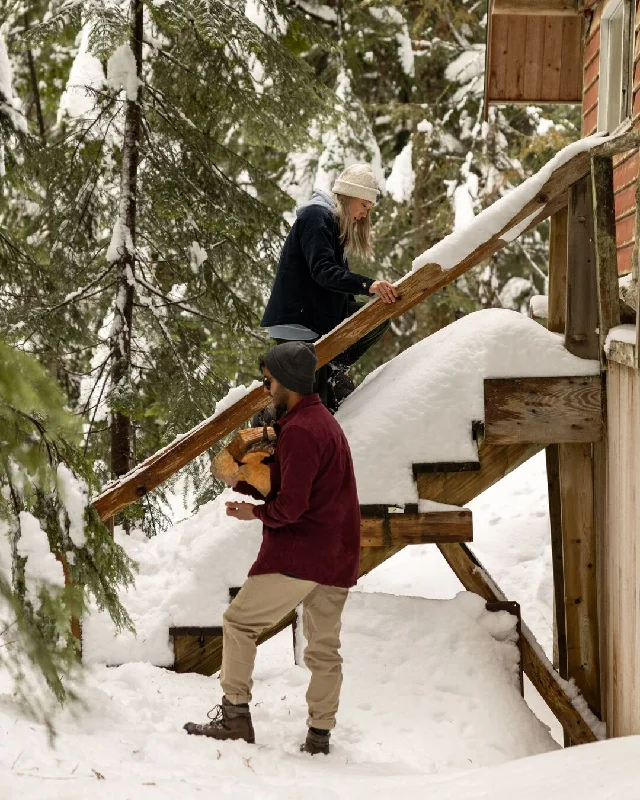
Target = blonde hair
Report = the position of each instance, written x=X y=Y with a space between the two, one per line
x=355 y=235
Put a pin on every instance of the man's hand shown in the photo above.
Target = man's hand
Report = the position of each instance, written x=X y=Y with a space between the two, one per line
x=240 y=510
x=386 y=291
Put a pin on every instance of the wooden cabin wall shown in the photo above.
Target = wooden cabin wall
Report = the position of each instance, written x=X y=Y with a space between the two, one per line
x=626 y=165
x=620 y=552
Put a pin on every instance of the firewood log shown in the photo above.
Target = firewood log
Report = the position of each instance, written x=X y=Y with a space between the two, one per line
x=242 y=459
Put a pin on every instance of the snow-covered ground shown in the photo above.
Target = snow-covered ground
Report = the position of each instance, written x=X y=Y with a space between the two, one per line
x=431 y=687
x=429 y=708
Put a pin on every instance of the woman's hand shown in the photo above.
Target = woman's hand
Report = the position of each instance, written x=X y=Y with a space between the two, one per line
x=386 y=291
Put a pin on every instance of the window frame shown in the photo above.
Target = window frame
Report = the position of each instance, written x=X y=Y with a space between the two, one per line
x=627 y=56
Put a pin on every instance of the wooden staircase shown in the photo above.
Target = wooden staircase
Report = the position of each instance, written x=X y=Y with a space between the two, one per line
x=522 y=416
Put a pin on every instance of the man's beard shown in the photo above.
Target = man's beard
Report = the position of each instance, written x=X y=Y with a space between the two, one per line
x=280 y=407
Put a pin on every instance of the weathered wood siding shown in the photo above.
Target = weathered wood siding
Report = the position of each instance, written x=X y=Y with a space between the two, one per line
x=626 y=165
x=620 y=549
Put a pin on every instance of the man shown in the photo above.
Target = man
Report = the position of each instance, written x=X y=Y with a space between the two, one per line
x=310 y=552
x=314 y=289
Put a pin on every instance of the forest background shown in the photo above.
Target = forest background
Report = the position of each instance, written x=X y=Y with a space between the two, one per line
x=152 y=153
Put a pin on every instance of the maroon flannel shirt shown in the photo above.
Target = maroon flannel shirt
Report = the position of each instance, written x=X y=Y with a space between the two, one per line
x=311 y=516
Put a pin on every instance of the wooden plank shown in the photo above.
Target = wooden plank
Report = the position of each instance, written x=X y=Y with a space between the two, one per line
x=602 y=534
x=621 y=606
x=605 y=247
x=580 y=576
x=488 y=55
x=203 y=654
x=552 y=59
x=543 y=410
x=515 y=64
x=460 y=488
x=499 y=57
x=540 y=7
x=581 y=337
x=556 y=318
x=534 y=50
x=445 y=466
x=555 y=520
x=429 y=528
x=622 y=353
x=413 y=289
x=537 y=668
x=571 y=59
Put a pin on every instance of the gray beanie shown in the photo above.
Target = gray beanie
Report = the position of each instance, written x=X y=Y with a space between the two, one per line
x=293 y=364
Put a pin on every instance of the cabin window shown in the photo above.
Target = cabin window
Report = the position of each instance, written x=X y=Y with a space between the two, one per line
x=616 y=64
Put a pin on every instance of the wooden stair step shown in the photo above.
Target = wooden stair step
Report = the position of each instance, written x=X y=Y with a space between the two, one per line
x=387 y=530
x=543 y=410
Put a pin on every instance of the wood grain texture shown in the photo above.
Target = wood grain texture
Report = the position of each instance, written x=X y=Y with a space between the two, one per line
x=499 y=53
x=580 y=573
x=413 y=289
x=557 y=313
x=555 y=520
x=430 y=528
x=552 y=59
x=460 y=488
x=571 y=59
x=534 y=47
x=536 y=7
x=203 y=654
x=581 y=337
x=620 y=605
x=622 y=353
x=516 y=58
x=605 y=247
x=475 y=578
x=543 y=410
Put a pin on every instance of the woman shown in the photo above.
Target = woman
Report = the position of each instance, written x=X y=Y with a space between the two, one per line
x=314 y=289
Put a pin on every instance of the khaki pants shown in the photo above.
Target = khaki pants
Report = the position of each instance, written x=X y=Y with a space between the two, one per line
x=261 y=603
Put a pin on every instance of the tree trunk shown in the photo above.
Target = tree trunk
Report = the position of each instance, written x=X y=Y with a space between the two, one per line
x=121 y=426
x=34 y=82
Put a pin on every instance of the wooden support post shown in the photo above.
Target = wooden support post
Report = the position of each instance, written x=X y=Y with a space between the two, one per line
x=557 y=314
x=555 y=518
x=581 y=337
x=580 y=575
x=604 y=216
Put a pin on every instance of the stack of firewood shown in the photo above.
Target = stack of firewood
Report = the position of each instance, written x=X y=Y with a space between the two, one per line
x=243 y=459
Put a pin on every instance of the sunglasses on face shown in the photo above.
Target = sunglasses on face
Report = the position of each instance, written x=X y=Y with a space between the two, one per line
x=266 y=382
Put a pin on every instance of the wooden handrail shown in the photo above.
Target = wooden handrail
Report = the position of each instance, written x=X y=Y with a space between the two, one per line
x=412 y=289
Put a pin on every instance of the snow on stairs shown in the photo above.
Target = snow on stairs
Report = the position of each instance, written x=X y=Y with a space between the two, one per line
x=525 y=207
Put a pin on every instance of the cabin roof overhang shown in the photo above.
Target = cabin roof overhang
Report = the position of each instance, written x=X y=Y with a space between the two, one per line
x=534 y=52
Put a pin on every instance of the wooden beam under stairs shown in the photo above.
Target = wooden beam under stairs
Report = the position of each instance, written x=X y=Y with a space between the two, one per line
x=412 y=289
x=552 y=688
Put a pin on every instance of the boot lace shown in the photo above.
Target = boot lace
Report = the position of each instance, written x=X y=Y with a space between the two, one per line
x=216 y=715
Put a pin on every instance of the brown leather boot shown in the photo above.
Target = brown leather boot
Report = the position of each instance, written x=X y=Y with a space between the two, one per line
x=228 y=721
x=316 y=742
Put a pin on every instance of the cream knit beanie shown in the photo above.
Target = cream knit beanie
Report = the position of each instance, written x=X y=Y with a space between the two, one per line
x=357 y=180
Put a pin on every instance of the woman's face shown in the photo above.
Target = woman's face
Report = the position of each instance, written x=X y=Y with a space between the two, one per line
x=358 y=209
